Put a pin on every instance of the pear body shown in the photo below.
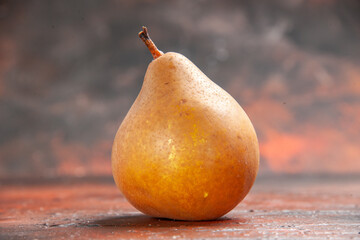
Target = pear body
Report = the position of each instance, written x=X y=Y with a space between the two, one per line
x=186 y=150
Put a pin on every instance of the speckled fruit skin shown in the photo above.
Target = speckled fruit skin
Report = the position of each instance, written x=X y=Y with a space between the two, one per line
x=186 y=150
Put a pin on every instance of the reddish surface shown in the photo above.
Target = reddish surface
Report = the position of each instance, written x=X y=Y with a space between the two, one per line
x=281 y=207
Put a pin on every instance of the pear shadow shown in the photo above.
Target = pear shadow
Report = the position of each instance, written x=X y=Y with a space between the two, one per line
x=140 y=221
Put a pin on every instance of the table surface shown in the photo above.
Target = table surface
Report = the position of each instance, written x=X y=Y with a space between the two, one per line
x=93 y=208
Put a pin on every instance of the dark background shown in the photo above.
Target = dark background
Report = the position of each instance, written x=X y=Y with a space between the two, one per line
x=70 y=70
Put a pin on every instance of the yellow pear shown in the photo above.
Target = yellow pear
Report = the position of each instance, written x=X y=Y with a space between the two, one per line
x=186 y=150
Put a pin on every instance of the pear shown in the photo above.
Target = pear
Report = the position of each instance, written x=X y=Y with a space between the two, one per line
x=186 y=150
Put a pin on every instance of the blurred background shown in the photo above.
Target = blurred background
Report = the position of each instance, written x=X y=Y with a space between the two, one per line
x=70 y=70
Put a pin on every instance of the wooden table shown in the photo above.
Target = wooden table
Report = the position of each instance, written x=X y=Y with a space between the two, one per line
x=93 y=208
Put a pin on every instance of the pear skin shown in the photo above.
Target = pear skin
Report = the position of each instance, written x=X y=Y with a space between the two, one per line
x=186 y=150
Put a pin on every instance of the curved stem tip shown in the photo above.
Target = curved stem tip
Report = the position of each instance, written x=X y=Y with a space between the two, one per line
x=144 y=35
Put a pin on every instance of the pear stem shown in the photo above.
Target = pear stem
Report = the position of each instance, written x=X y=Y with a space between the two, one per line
x=144 y=35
